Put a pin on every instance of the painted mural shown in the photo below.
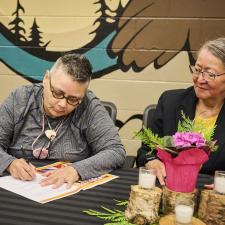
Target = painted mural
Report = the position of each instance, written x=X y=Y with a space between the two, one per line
x=138 y=48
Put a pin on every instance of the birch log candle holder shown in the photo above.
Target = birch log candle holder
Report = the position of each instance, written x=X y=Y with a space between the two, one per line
x=212 y=207
x=170 y=197
x=143 y=205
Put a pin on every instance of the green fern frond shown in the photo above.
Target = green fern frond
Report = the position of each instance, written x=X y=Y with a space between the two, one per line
x=121 y=202
x=97 y=214
x=116 y=216
x=209 y=133
x=186 y=125
x=121 y=223
x=109 y=210
x=149 y=138
x=111 y=216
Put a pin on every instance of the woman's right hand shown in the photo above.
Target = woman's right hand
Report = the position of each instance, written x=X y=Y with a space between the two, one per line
x=20 y=169
x=160 y=169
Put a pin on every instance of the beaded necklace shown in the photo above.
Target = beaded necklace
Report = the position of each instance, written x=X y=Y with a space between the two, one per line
x=43 y=152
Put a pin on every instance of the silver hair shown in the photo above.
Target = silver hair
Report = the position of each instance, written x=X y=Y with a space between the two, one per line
x=217 y=48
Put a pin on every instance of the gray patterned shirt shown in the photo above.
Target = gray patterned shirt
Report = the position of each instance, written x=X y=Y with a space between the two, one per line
x=87 y=138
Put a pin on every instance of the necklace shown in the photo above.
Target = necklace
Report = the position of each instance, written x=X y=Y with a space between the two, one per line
x=43 y=152
x=51 y=133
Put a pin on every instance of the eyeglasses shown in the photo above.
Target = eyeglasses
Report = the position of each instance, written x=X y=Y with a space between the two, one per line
x=208 y=76
x=72 y=100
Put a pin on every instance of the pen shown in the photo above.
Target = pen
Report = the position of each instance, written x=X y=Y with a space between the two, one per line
x=32 y=175
x=24 y=154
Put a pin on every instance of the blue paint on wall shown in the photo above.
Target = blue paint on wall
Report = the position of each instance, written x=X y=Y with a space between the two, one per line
x=30 y=66
x=19 y=60
x=98 y=56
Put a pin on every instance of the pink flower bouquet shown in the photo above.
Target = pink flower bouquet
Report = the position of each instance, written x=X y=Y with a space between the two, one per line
x=182 y=153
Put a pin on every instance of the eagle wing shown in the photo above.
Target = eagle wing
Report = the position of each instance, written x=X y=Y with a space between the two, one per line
x=156 y=30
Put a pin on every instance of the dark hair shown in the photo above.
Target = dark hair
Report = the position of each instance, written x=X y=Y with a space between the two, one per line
x=75 y=65
x=217 y=48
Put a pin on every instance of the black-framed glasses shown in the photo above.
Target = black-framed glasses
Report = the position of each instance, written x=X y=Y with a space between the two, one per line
x=208 y=76
x=72 y=100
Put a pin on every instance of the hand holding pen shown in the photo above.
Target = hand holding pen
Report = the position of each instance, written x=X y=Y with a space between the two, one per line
x=21 y=168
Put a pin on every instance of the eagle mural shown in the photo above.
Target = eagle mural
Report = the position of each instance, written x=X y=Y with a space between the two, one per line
x=126 y=34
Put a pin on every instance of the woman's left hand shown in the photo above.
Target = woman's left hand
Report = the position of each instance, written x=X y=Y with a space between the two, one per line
x=60 y=176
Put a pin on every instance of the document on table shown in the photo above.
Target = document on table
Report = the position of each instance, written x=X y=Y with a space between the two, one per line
x=34 y=191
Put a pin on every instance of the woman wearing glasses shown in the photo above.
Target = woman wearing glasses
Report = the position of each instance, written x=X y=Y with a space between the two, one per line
x=62 y=120
x=204 y=101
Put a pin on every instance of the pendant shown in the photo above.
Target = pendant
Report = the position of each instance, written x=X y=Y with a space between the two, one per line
x=40 y=153
x=50 y=134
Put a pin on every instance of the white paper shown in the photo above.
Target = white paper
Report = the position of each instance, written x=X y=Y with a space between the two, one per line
x=34 y=191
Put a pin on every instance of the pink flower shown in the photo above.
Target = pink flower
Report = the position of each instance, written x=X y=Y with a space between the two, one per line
x=186 y=139
x=178 y=139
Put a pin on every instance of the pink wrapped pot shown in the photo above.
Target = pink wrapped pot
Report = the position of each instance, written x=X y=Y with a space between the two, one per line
x=182 y=171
